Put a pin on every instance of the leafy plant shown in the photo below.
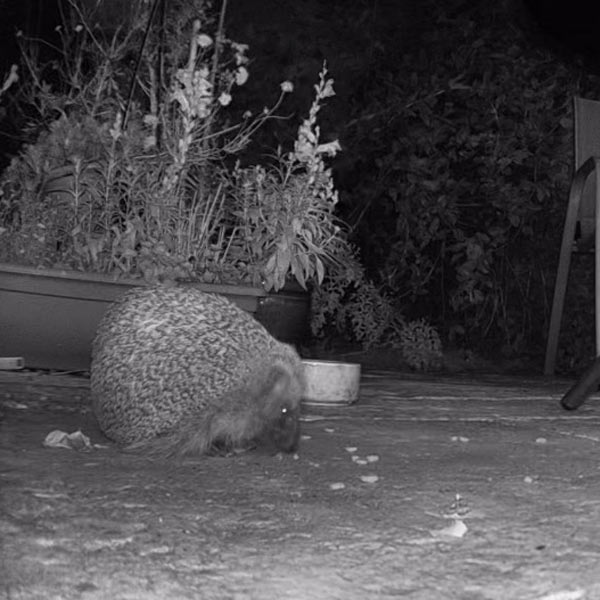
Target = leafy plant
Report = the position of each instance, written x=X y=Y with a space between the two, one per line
x=421 y=345
x=132 y=180
x=348 y=303
x=286 y=211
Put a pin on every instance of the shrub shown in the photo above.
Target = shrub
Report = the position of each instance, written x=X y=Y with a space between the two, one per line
x=421 y=345
x=462 y=179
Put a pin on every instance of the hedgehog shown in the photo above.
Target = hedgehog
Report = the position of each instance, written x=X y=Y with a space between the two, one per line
x=176 y=371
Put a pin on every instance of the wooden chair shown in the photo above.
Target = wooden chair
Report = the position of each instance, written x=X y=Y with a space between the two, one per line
x=582 y=223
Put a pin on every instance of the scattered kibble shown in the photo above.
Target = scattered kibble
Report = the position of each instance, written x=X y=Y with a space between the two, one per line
x=351 y=449
x=361 y=461
x=156 y=550
x=329 y=429
x=372 y=458
x=369 y=478
x=16 y=405
x=541 y=440
x=459 y=438
x=337 y=486
x=565 y=595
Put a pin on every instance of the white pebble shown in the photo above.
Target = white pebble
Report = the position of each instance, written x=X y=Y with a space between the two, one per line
x=541 y=440
x=329 y=429
x=351 y=449
x=369 y=478
x=361 y=461
x=372 y=458
x=305 y=437
x=528 y=479
x=457 y=529
x=337 y=486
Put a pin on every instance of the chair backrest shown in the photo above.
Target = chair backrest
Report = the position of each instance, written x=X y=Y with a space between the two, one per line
x=587 y=143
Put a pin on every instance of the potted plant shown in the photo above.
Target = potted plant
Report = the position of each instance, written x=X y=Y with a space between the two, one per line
x=128 y=179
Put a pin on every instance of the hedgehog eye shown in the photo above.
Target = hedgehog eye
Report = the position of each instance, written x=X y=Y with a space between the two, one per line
x=287 y=411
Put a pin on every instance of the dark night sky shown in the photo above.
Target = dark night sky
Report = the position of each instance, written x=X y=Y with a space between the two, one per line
x=564 y=24
x=568 y=23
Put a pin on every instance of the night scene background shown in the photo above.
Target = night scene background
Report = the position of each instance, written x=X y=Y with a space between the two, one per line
x=455 y=125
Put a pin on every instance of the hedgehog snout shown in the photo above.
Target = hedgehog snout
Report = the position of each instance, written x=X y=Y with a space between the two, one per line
x=285 y=430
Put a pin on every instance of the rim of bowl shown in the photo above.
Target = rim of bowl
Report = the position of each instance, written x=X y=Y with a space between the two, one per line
x=329 y=362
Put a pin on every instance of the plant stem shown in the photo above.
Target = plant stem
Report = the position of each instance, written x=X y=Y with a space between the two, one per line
x=215 y=66
x=138 y=61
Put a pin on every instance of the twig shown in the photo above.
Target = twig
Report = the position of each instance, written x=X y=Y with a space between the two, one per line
x=138 y=62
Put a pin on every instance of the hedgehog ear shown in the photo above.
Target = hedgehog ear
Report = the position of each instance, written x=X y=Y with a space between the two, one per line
x=276 y=388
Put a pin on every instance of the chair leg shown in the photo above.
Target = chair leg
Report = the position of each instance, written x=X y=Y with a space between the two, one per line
x=586 y=385
x=564 y=261
x=560 y=288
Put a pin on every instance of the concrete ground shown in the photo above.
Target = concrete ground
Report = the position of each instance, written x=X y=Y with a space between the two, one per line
x=428 y=488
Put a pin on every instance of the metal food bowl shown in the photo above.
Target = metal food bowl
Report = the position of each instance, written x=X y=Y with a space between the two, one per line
x=330 y=382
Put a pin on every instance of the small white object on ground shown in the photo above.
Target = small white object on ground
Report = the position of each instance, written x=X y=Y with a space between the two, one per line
x=11 y=363
x=369 y=478
x=564 y=595
x=70 y=441
x=457 y=529
x=14 y=405
x=338 y=485
x=541 y=440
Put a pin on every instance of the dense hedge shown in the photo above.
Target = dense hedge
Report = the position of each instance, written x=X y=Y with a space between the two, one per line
x=460 y=181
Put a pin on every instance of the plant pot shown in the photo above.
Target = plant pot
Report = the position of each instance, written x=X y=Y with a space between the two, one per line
x=49 y=316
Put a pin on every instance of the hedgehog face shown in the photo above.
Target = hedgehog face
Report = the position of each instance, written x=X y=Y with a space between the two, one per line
x=281 y=394
x=285 y=430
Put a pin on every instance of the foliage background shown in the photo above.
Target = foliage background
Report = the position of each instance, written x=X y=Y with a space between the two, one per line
x=455 y=121
x=456 y=126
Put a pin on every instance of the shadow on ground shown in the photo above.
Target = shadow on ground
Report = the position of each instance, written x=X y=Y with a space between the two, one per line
x=446 y=488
